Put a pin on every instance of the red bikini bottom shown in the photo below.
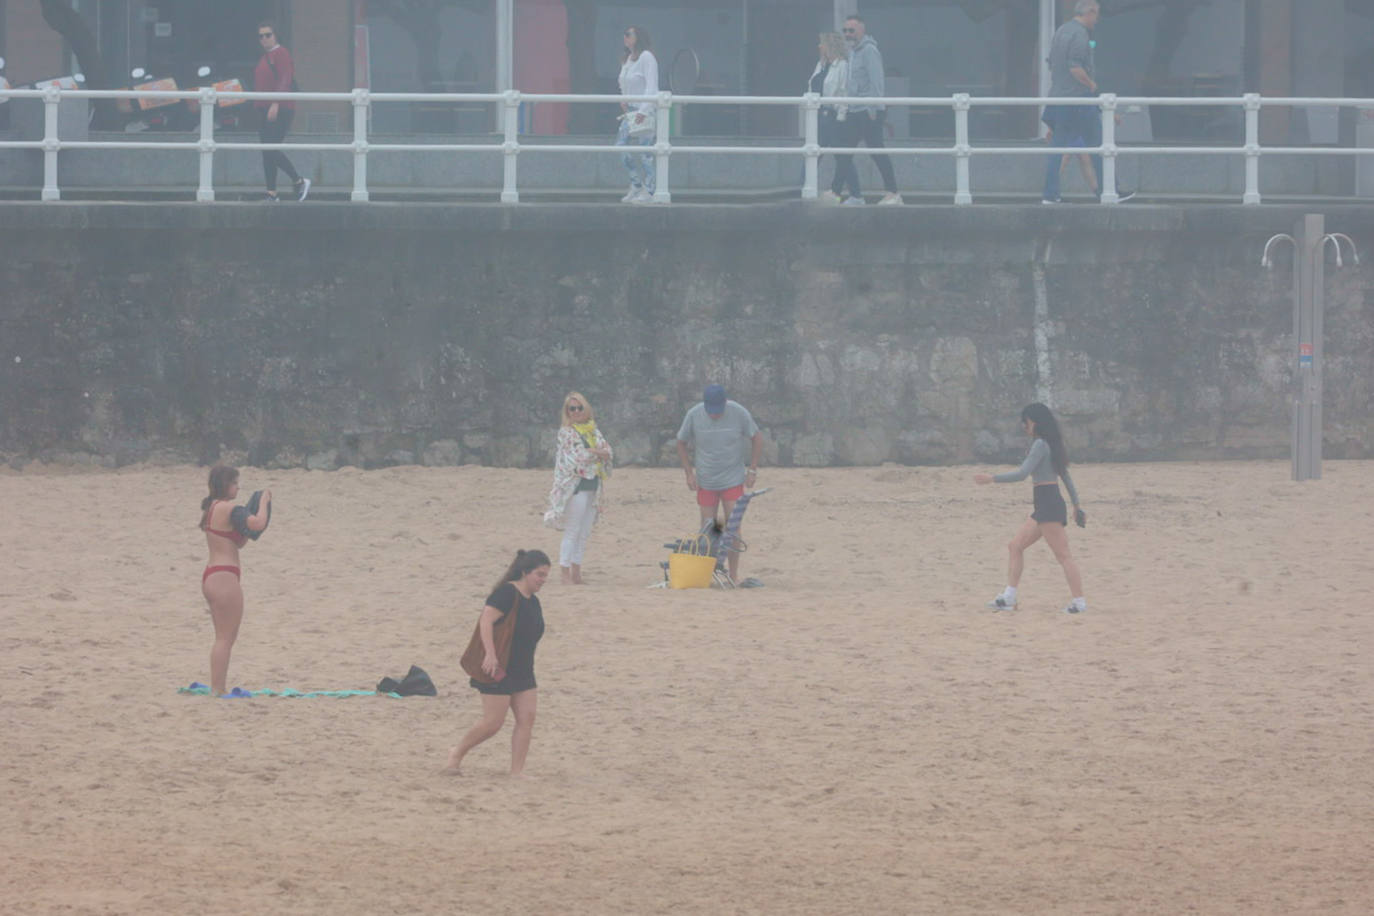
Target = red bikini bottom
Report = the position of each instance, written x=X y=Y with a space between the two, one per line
x=211 y=570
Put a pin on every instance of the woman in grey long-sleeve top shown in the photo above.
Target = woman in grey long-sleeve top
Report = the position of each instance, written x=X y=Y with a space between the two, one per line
x=1046 y=463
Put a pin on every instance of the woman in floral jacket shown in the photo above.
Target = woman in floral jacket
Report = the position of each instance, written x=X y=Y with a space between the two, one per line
x=580 y=468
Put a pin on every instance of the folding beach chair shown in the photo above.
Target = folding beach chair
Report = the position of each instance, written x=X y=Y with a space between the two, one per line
x=721 y=542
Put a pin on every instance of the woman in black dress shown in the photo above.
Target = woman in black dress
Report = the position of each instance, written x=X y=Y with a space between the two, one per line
x=516 y=690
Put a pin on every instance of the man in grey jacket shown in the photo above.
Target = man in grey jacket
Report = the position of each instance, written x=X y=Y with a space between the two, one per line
x=867 y=122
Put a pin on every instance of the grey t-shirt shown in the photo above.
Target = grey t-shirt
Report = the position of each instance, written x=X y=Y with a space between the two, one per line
x=1070 y=48
x=721 y=444
x=1039 y=466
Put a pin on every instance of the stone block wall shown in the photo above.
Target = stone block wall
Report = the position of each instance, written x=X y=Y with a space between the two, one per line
x=384 y=334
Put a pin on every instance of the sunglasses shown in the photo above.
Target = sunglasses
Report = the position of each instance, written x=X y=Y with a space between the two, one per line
x=629 y=33
x=850 y=31
x=265 y=34
x=572 y=407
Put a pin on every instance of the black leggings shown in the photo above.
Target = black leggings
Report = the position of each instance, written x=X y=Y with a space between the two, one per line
x=275 y=132
x=856 y=128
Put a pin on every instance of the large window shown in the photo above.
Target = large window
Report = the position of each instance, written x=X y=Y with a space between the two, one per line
x=1359 y=49
x=704 y=40
x=174 y=38
x=940 y=47
x=432 y=46
x=1174 y=48
x=703 y=47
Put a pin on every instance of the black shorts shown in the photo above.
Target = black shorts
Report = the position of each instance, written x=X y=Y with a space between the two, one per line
x=1049 y=504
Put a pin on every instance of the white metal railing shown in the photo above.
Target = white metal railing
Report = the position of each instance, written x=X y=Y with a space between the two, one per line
x=510 y=146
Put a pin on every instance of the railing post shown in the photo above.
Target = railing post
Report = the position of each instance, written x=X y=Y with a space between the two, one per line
x=1108 y=176
x=811 y=148
x=962 y=195
x=1252 y=148
x=51 y=99
x=511 y=146
x=663 y=148
x=362 y=107
x=206 y=192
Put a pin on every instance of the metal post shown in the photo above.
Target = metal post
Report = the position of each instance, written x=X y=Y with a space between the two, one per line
x=1108 y=176
x=505 y=45
x=962 y=195
x=361 y=109
x=511 y=146
x=51 y=144
x=811 y=148
x=1252 y=148
x=662 y=149
x=1309 y=281
x=206 y=192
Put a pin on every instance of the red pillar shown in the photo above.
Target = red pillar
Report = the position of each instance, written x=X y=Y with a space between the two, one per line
x=541 y=59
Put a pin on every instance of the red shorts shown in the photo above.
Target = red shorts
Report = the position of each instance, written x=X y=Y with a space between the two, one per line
x=709 y=499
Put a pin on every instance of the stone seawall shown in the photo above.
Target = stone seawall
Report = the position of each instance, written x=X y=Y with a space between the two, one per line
x=394 y=334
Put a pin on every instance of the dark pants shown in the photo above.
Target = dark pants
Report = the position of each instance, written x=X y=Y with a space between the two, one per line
x=275 y=132
x=864 y=127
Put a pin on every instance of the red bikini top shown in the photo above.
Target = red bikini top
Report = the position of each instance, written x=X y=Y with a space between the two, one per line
x=238 y=539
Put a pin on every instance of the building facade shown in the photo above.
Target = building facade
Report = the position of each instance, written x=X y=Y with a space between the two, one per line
x=736 y=47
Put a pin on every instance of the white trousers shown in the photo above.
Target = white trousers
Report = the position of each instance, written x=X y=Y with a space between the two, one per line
x=578 y=518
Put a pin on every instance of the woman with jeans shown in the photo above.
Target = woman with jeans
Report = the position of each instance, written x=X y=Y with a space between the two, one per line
x=638 y=76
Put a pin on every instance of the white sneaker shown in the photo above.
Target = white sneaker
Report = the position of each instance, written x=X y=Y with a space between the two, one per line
x=1073 y=608
x=828 y=197
x=1002 y=604
x=642 y=196
x=891 y=200
x=853 y=202
x=303 y=189
x=629 y=195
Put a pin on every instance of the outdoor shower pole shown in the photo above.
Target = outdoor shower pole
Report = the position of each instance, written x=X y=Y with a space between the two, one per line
x=1308 y=305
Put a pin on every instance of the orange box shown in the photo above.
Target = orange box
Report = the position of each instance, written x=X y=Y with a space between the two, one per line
x=233 y=85
x=167 y=83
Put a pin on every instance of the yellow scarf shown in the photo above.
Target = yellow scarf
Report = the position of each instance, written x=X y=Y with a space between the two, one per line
x=588 y=433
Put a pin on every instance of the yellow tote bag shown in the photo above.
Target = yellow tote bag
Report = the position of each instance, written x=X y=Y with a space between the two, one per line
x=691 y=565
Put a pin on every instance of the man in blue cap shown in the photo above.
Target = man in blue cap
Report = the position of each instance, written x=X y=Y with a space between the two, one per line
x=718 y=429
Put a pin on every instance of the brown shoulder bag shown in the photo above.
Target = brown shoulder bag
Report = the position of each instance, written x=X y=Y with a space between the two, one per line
x=502 y=632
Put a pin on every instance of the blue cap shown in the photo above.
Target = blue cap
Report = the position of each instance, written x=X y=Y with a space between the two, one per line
x=714 y=399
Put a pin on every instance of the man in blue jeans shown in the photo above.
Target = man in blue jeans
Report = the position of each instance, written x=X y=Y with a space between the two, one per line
x=1071 y=76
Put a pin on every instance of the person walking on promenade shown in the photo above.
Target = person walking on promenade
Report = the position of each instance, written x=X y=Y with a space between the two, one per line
x=581 y=465
x=516 y=691
x=1072 y=75
x=718 y=429
x=275 y=72
x=1046 y=463
x=227 y=528
x=830 y=79
x=867 y=122
x=638 y=76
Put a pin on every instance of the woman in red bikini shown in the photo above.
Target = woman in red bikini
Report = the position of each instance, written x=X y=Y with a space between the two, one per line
x=220 y=581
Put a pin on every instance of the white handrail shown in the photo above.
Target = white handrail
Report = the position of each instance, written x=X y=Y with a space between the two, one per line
x=510 y=146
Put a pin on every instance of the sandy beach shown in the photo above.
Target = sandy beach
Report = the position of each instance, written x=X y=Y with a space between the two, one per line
x=860 y=734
